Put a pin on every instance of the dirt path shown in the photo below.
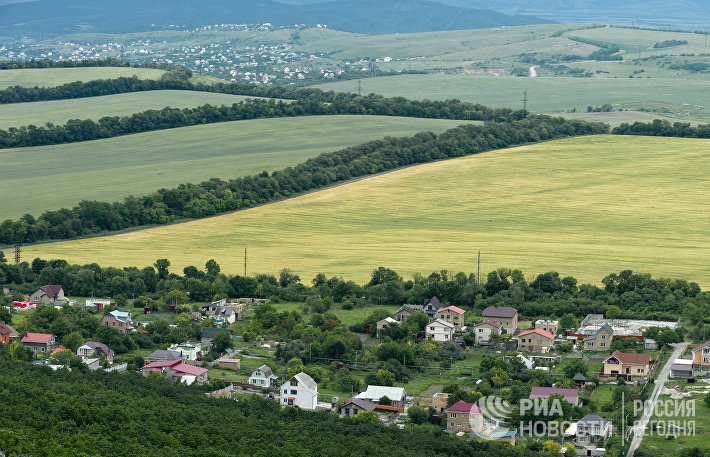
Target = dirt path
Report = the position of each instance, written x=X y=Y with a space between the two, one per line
x=533 y=71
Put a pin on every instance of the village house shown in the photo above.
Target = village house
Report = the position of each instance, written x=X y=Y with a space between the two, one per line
x=301 y=390
x=701 y=356
x=600 y=340
x=163 y=355
x=262 y=377
x=7 y=333
x=464 y=417
x=229 y=363
x=96 y=304
x=431 y=306
x=207 y=336
x=120 y=320
x=547 y=325
x=506 y=316
x=93 y=349
x=440 y=331
x=591 y=429
x=373 y=394
x=383 y=324
x=40 y=342
x=439 y=401
x=224 y=316
x=536 y=340
x=188 y=351
x=50 y=294
x=354 y=406
x=682 y=368
x=405 y=311
x=453 y=315
x=177 y=370
x=483 y=330
x=571 y=396
x=627 y=365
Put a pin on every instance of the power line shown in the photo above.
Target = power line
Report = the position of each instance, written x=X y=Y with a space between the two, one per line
x=525 y=100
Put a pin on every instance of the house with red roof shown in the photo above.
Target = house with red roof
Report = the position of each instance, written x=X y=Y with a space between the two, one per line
x=464 y=417
x=701 y=356
x=49 y=294
x=536 y=340
x=177 y=370
x=39 y=342
x=571 y=396
x=483 y=330
x=452 y=315
x=626 y=365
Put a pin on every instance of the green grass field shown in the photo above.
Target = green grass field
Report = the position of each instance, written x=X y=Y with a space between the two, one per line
x=51 y=177
x=50 y=77
x=584 y=207
x=683 y=100
x=60 y=111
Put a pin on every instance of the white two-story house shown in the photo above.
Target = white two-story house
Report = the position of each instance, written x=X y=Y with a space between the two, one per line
x=301 y=390
x=440 y=330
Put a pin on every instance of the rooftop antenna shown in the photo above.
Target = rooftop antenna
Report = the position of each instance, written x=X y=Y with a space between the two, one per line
x=525 y=100
x=18 y=253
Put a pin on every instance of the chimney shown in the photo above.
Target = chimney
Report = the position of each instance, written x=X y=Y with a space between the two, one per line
x=2 y=324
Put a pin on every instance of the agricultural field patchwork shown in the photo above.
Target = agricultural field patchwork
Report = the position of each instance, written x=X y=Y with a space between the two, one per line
x=616 y=202
x=60 y=111
x=50 y=77
x=113 y=168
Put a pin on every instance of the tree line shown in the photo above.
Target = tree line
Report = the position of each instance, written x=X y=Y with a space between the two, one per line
x=217 y=196
x=659 y=127
x=49 y=63
x=76 y=130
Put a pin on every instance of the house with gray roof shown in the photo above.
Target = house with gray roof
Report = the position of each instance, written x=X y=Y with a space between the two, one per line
x=262 y=377
x=93 y=349
x=505 y=316
x=372 y=394
x=354 y=406
x=431 y=306
x=162 y=355
x=301 y=390
x=600 y=340
x=591 y=429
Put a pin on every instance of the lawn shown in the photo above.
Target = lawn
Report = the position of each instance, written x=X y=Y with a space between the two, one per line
x=50 y=77
x=682 y=99
x=700 y=420
x=60 y=111
x=51 y=177
x=617 y=202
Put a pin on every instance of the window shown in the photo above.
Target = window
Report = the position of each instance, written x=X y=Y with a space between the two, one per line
x=706 y=359
x=602 y=344
x=294 y=392
x=452 y=415
x=294 y=383
x=603 y=337
x=590 y=344
x=480 y=330
x=285 y=391
x=446 y=337
x=432 y=329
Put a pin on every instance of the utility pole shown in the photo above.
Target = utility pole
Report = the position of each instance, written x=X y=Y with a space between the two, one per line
x=359 y=86
x=245 y=262
x=525 y=100
x=478 y=273
x=18 y=253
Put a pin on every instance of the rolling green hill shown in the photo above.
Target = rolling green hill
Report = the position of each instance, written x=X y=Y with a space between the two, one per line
x=680 y=99
x=60 y=111
x=50 y=77
x=50 y=177
x=584 y=206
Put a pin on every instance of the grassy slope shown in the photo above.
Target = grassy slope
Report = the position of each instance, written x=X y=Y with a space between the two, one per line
x=689 y=100
x=616 y=202
x=60 y=111
x=50 y=77
x=51 y=177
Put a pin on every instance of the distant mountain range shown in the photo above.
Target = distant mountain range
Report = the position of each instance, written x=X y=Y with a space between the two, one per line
x=685 y=14
x=47 y=18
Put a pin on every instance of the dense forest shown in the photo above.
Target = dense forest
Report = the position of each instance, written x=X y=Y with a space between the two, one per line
x=69 y=413
x=217 y=196
x=659 y=127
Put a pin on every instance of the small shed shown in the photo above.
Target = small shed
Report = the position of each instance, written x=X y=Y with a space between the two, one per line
x=650 y=344
x=579 y=380
x=229 y=363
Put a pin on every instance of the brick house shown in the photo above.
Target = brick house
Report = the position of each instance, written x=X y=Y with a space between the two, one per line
x=49 y=294
x=7 y=333
x=483 y=330
x=701 y=356
x=120 y=320
x=536 y=340
x=506 y=316
x=464 y=417
x=177 y=370
x=453 y=315
x=92 y=349
x=600 y=341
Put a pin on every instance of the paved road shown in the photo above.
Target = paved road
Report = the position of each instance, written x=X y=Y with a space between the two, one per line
x=640 y=427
